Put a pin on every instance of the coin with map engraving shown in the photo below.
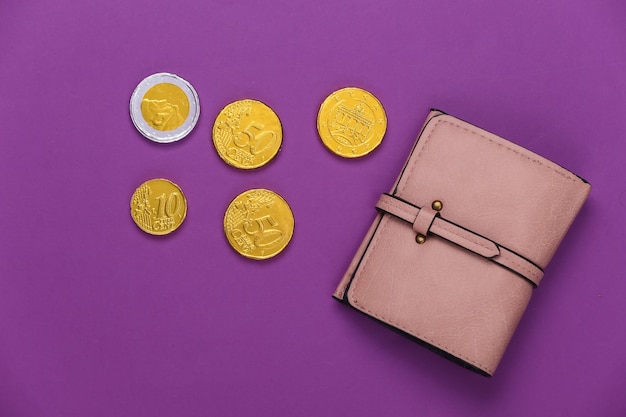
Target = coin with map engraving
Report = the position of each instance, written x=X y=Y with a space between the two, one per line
x=258 y=224
x=247 y=134
x=351 y=122
x=164 y=107
x=158 y=206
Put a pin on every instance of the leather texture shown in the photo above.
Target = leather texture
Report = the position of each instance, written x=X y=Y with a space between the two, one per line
x=463 y=291
x=425 y=223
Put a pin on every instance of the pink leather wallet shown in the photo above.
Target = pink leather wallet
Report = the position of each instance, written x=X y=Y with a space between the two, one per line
x=461 y=241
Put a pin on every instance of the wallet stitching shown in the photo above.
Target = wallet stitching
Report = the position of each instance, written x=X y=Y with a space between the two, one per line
x=410 y=174
x=398 y=325
x=482 y=245
x=396 y=205
x=375 y=242
x=524 y=267
x=468 y=236
x=381 y=232
x=426 y=339
x=421 y=336
x=443 y=225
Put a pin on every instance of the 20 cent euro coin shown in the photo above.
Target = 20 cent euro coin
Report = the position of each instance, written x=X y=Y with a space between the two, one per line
x=247 y=134
x=158 y=206
x=258 y=224
x=164 y=107
x=351 y=122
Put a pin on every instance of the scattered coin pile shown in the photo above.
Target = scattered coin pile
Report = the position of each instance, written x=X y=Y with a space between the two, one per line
x=247 y=134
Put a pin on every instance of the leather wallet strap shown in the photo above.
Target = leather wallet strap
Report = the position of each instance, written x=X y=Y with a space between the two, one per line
x=425 y=220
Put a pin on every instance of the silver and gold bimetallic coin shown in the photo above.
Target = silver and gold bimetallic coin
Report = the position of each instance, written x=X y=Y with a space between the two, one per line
x=258 y=223
x=158 y=206
x=351 y=122
x=247 y=134
x=164 y=107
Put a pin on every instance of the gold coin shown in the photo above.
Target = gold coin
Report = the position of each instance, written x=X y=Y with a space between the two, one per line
x=164 y=107
x=351 y=122
x=258 y=223
x=158 y=206
x=247 y=134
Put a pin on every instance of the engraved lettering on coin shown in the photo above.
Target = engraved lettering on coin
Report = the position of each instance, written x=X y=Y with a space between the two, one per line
x=247 y=134
x=258 y=224
x=351 y=122
x=164 y=107
x=158 y=206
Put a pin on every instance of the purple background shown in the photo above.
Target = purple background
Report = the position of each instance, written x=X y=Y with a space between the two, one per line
x=100 y=319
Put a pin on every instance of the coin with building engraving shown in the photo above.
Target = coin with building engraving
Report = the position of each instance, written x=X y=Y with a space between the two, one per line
x=258 y=224
x=164 y=107
x=247 y=134
x=158 y=206
x=351 y=122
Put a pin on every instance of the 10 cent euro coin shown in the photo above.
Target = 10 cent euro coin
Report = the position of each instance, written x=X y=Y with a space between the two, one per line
x=258 y=224
x=351 y=122
x=247 y=134
x=164 y=107
x=158 y=206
